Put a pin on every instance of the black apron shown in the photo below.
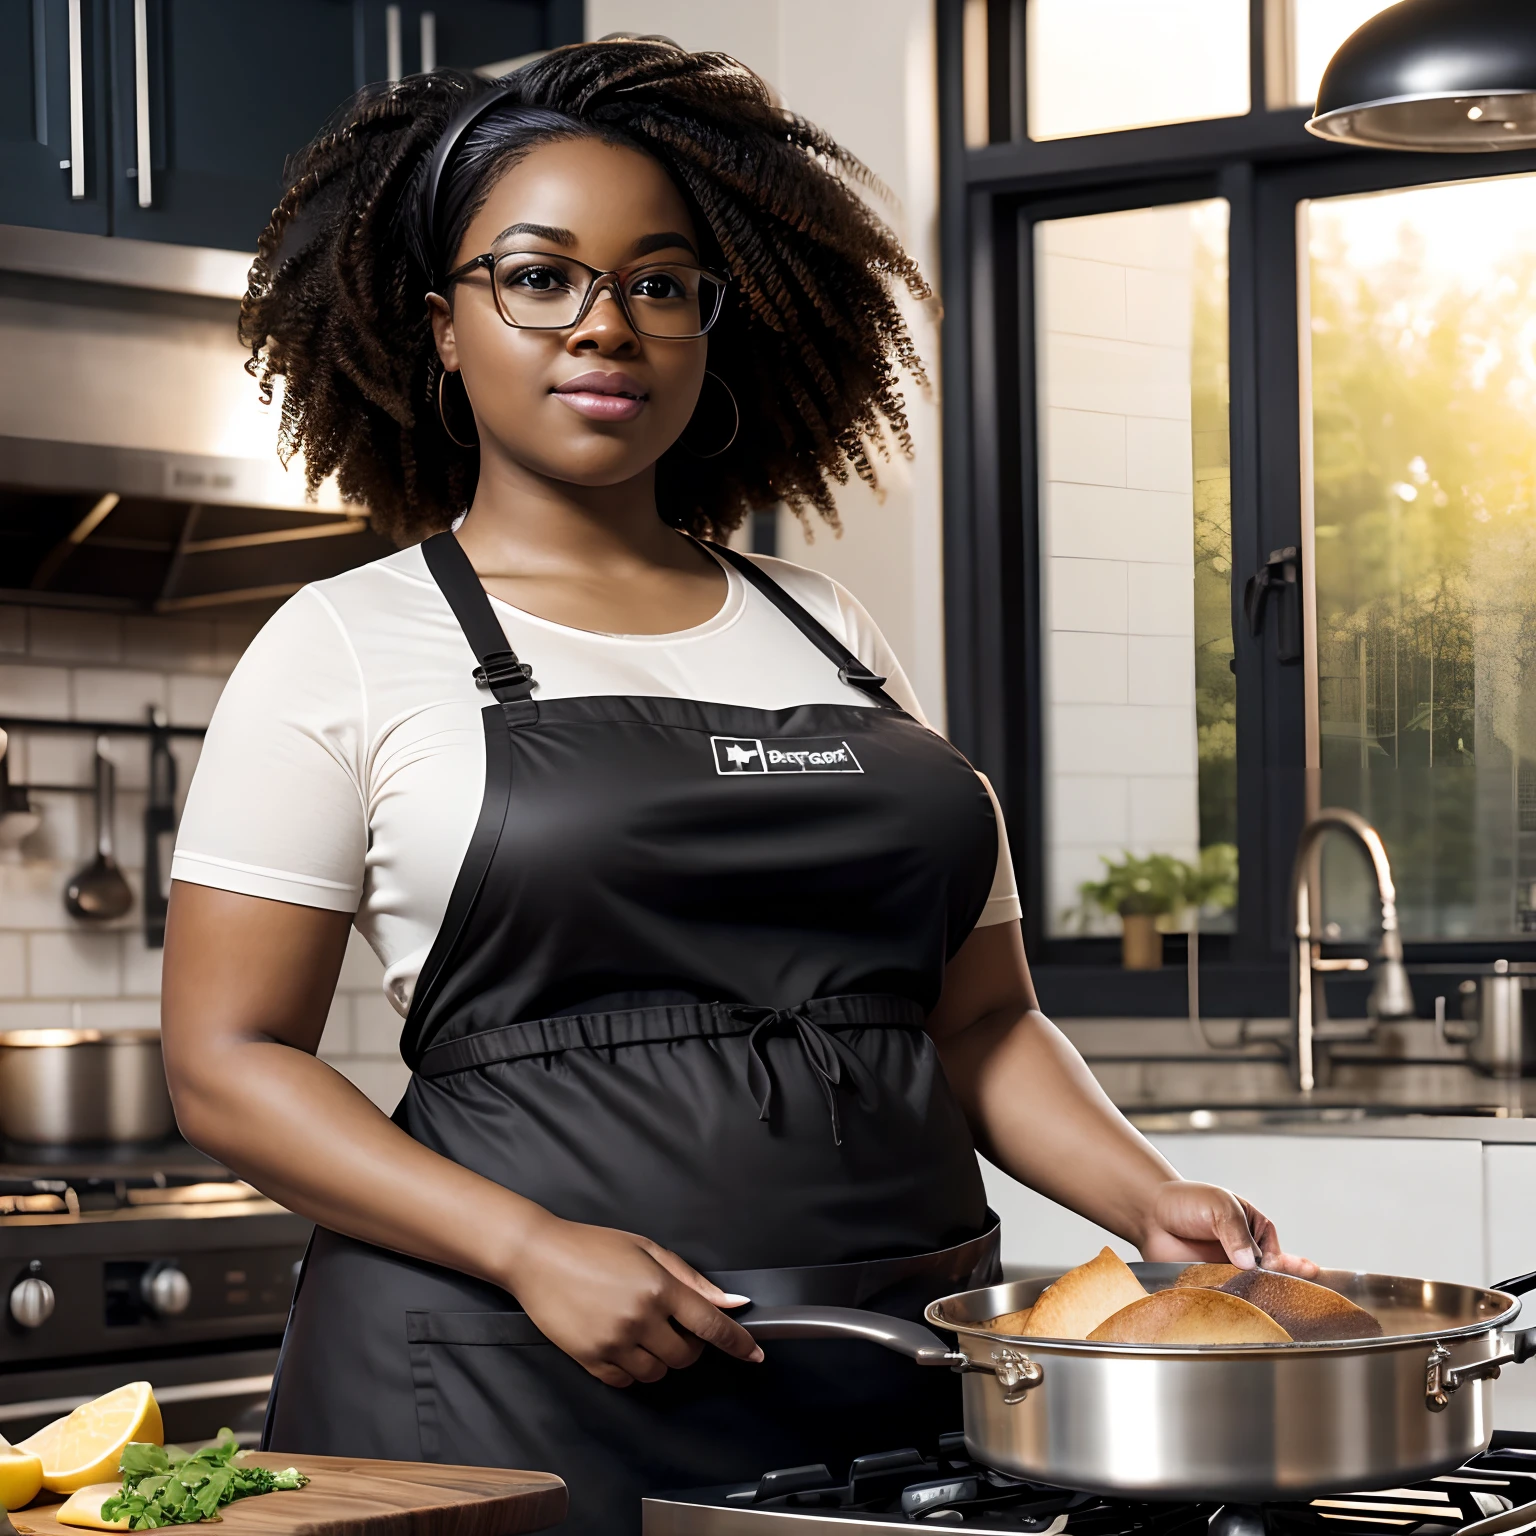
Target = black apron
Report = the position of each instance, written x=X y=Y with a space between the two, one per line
x=679 y=989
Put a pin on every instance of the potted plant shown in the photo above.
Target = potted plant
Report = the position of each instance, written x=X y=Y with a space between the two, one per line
x=1139 y=891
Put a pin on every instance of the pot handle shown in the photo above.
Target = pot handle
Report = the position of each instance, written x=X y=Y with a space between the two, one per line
x=1517 y=1286
x=1441 y=1378
x=895 y=1333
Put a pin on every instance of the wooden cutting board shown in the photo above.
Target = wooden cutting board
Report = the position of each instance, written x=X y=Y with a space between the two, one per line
x=347 y=1497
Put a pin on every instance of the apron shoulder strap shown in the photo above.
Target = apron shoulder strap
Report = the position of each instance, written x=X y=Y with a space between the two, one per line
x=508 y=679
x=849 y=667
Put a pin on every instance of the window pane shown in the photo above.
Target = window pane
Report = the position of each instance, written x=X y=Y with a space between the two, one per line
x=1423 y=376
x=1317 y=27
x=1136 y=544
x=1096 y=65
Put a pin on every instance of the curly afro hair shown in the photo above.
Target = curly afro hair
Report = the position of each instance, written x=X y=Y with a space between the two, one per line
x=810 y=340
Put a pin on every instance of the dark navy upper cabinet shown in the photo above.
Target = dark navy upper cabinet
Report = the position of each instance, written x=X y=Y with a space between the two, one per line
x=186 y=110
x=207 y=103
x=53 y=117
x=485 y=35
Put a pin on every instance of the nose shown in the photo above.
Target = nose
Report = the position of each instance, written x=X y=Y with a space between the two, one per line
x=604 y=329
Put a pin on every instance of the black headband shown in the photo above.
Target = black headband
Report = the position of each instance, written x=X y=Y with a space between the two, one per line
x=454 y=134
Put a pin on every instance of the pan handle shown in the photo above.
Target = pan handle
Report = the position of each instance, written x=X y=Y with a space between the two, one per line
x=895 y=1333
x=1441 y=1378
x=1518 y=1286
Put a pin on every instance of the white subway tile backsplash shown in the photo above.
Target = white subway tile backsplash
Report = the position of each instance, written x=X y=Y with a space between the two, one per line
x=1087 y=446
x=1097 y=522
x=1162 y=599
x=1158 y=308
x=382 y=1081
x=141 y=966
x=1087 y=594
x=34 y=690
x=32 y=893
x=60 y=757
x=1087 y=668
x=1159 y=455
x=1092 y=810
x=120 y=1013
x=1090 y=738
x=184 y=645
x=121 y=693
x=75 y=964
x=193 y=697
x=1126 y=378
x=1086 y=298
x=1163 y=738
x=375 y=1026
x=13 y=964
x=361 y=969
x=1165 y=816
x=38 y=1016
x=1069 y=868
x=336 y=1038
x=1161 y=669
x=67 y=634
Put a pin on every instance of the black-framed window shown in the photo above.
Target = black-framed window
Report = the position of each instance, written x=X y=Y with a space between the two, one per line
x=1259 y=260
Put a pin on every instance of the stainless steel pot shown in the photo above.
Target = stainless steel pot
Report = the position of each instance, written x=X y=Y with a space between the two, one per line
x=77 y=1086
x=1246 y=1423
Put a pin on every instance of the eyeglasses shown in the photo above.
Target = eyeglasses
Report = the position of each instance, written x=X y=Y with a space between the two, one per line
x=535 y=291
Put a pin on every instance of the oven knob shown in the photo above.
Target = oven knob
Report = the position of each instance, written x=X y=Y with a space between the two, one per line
x=167 y=1291
x=32 y=1302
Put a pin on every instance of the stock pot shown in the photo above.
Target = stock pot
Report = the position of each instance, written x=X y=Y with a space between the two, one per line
x=1245 y=1423
x=75 y=1086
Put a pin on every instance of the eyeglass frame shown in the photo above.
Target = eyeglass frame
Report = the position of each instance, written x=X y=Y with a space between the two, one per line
x=610 y=279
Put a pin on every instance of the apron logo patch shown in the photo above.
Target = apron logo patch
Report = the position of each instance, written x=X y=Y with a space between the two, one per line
x=736 y=755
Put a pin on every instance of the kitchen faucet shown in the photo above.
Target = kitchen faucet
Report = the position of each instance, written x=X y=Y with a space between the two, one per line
x=1391 y=997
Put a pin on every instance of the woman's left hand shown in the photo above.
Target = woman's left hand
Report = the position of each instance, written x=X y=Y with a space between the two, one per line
x=1203 y=1221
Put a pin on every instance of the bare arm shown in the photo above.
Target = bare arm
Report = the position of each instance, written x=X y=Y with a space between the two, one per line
x=1040 y=1115
x=247 y=986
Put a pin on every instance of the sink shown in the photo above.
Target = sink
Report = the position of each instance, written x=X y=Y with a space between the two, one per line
x=1248 y=1117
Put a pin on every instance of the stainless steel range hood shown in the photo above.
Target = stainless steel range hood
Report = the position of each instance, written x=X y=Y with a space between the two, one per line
x=138 y=468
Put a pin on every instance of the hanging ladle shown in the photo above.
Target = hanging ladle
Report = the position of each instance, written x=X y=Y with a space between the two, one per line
x=99 y=893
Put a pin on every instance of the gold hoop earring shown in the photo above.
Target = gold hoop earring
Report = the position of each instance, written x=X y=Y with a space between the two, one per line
x=709 y=373
x=442 y=378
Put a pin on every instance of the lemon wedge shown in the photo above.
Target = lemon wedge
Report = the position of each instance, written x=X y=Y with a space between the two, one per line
x=83 y=1508
x=86 y=1446
x=21 y=1477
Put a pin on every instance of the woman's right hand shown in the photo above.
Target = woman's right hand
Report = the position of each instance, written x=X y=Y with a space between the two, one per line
x=623 y=1307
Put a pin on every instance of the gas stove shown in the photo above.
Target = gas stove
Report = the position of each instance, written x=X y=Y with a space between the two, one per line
x=129 y=1263
x=948 y=1490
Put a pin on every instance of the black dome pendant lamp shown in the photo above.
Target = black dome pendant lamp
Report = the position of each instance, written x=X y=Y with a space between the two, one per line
x=1435 y=75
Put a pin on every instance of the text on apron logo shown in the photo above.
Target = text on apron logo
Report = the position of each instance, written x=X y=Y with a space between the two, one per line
x=749 y=754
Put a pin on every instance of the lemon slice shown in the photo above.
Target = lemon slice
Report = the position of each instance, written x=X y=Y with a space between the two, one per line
x=83 y=1508
x=86 y=1446
x=21 y=1476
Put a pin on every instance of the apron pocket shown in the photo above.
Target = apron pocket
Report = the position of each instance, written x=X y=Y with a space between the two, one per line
x=481 y=1380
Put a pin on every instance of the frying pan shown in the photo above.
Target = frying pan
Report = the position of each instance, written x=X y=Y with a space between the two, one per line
x=1247 y=1423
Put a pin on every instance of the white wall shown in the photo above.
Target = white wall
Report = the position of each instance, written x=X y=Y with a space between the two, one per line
x=864 y=70
x=1118 y=537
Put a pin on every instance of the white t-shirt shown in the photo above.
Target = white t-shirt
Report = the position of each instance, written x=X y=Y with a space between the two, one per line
x=345 y=764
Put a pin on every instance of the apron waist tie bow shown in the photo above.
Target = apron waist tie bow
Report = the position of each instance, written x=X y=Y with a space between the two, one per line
x=821 y=1053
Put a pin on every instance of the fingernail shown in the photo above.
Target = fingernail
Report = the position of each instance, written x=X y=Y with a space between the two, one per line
x=756 y=1357
x=1245 y=1258
x=733 y=1300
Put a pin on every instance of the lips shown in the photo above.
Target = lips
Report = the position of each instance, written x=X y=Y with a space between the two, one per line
x=603 y=396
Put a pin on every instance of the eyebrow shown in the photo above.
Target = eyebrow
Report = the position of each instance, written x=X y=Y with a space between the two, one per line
x=666 y=240
x=550 y=232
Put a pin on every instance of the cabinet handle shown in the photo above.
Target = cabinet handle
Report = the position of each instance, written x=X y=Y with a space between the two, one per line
x=141 y=100
x=76 y=105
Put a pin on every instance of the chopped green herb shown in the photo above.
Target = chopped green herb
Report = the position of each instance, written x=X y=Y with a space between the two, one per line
x=163 y=1485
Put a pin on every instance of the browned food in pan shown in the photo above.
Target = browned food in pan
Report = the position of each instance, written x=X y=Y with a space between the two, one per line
x=1014 y=1323
x=1081 y=1299
x=1311 y=1314
x=1193 y=1315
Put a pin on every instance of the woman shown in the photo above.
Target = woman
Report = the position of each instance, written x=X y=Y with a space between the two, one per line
x=707 y=947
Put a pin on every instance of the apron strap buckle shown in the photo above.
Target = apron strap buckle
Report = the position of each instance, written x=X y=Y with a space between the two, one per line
x=502 y=669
